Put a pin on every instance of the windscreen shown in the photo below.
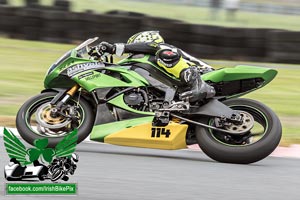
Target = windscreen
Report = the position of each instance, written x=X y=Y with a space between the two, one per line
x=83 y=48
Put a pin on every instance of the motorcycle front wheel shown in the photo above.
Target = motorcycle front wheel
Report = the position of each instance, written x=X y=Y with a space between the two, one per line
x=255 y=145
x=34 y=120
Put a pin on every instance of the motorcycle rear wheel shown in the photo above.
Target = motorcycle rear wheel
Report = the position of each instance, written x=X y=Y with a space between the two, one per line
x=237 y=149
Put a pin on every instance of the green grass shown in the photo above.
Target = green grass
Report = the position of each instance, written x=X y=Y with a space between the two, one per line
x=192 y=14
x=24 y=64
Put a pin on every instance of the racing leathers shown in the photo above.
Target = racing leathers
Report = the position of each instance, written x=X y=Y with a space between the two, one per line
x=174 y=61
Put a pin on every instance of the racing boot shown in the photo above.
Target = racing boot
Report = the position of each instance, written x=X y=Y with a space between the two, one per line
x=199 y=90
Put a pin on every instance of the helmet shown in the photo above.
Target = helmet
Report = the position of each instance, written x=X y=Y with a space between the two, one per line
x=146 y=36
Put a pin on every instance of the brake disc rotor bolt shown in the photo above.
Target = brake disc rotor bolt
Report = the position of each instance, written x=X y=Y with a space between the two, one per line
x=53 y=112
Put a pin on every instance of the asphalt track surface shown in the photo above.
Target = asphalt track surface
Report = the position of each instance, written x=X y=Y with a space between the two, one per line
x=115 y=172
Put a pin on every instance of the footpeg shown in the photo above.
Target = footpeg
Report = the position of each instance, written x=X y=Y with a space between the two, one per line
x=161 y=118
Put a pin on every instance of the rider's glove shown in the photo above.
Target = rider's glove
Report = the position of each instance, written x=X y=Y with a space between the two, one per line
x=105 y=47
x=101 y=49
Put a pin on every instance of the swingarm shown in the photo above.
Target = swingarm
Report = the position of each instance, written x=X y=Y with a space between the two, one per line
x=224 y=118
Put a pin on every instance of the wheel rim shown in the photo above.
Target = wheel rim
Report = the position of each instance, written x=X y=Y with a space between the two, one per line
x=39 y=121
x=257 y=132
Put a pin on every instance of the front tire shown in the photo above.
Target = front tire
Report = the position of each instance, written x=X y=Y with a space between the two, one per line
x=222 y=150
x=26 y=120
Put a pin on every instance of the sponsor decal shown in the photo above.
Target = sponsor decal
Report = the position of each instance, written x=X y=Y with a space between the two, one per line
x=85 y=75
x=76 y=69
x=92 y=77
x=158 y=132
x=40 y=163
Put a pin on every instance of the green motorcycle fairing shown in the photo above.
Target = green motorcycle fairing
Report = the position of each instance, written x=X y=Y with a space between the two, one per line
x=240 y=72
x=94 y=77
x=88 y=74
x=246 y=78
x=99 y=132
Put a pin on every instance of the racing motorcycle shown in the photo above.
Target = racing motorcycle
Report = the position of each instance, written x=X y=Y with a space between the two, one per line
x=133 y=102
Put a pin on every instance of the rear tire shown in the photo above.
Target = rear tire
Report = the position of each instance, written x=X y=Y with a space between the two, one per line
x=246 y=153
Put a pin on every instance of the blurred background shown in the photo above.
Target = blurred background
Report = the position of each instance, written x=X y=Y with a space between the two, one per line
x=224 y=33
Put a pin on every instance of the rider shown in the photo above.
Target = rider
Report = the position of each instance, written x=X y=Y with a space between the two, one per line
x=173 y=60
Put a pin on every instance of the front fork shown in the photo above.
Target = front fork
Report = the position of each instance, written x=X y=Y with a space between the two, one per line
x=61 y=98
